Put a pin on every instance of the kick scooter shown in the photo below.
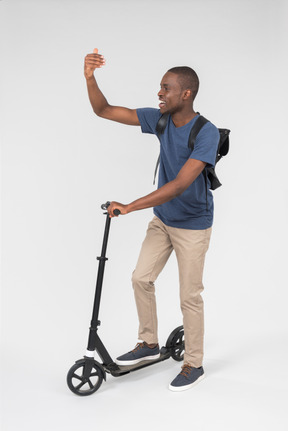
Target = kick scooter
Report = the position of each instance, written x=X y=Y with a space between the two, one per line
x=86 y=375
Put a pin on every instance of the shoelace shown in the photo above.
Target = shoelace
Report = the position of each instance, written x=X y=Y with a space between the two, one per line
x=138 y=347
x=186 y=370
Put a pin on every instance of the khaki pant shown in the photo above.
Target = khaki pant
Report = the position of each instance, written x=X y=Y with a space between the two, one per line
x=190 y=247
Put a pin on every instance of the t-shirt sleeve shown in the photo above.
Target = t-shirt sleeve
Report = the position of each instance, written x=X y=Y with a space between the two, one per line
x=206 y=145
x=148 y=118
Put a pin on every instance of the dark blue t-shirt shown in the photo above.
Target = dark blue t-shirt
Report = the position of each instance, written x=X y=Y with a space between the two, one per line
x=189 y=210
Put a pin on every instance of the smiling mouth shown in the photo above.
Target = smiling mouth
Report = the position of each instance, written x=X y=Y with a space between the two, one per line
x=162 y=104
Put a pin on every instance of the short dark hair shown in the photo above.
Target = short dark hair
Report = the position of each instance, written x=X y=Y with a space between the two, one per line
x=187 y=78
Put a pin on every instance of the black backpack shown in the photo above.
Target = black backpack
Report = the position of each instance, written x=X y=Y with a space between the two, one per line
x=223 y=147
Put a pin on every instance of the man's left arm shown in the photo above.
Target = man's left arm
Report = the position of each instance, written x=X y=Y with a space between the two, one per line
x=189 y=172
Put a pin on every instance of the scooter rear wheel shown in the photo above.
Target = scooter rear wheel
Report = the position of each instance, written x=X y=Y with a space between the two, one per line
x=81 y=385
x=176 y=343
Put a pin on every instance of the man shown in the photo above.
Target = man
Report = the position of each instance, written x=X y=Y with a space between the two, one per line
x=183 y=212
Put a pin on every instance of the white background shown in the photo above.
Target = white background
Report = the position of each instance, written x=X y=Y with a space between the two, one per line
x=60 y=162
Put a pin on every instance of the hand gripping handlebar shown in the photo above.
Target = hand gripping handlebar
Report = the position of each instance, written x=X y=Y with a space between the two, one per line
x=105 y=206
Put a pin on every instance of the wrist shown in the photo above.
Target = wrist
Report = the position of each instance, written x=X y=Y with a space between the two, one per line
x=129 y=208
x=89 y=76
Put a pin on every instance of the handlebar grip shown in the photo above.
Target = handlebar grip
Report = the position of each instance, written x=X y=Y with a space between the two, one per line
x=116 y=212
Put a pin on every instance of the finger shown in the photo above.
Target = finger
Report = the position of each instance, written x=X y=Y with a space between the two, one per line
x=94 y=63
x=95 y=57
x=112 y=208
x=94 y=60
x=110 y=211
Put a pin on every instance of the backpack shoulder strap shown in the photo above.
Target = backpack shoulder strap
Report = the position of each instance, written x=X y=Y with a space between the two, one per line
x=200 y=122
x=160 y=127
x=162 y=123
x=156 y=169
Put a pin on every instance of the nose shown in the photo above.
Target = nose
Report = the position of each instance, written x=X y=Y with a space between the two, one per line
x=160 y=92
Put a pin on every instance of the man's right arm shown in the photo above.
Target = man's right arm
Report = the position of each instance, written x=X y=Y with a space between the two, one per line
x=98 y=101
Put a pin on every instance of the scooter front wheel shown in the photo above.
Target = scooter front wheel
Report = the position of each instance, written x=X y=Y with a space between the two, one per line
x=176 y=343
x=82 y=383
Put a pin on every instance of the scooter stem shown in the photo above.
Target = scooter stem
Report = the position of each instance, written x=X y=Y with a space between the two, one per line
x=102 y=259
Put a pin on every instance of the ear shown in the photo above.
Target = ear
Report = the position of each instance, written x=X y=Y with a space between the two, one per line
x=187 y=94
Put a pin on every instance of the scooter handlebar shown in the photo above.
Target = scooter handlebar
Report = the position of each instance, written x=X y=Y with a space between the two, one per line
x=105 y=206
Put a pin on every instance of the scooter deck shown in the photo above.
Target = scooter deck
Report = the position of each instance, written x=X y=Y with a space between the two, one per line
x=120 y=370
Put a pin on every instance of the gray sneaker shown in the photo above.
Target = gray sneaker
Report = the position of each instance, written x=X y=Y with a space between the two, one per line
x=188 y=377
x=140 y=353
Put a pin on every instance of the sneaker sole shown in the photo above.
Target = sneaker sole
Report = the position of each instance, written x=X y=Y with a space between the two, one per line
x=136 y=361
x=186 y=387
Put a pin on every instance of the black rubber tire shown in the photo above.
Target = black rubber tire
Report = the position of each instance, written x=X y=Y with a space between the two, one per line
x=81 y=386
x=176 y=343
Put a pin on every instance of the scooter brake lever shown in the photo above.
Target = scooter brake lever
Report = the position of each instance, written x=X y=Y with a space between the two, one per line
x=105 y=206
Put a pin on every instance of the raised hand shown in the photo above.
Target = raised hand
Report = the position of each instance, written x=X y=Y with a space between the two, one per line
x=92 y=62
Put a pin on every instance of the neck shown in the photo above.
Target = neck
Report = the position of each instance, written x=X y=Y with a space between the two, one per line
x=181 y=118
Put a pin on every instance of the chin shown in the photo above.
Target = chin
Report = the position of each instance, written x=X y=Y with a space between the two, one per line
x=164 y=110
